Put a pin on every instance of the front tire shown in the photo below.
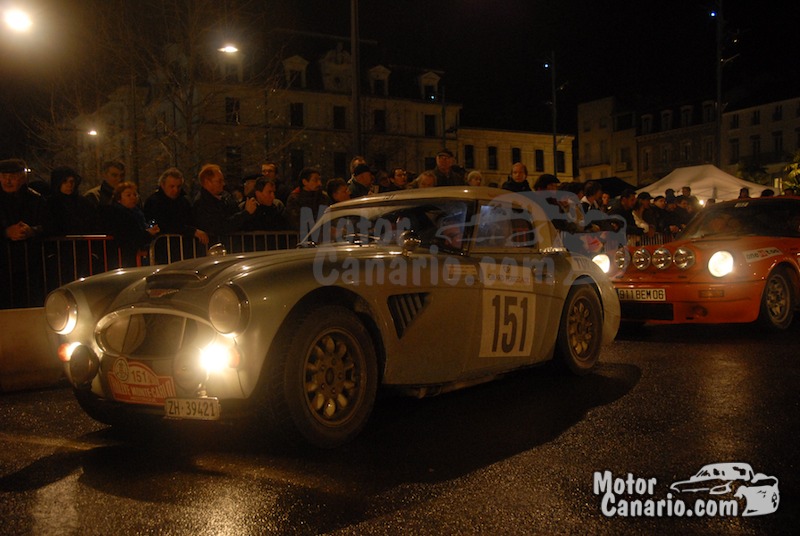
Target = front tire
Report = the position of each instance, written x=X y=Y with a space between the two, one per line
x=580 y=333
x=777 y=301
x=323 y=382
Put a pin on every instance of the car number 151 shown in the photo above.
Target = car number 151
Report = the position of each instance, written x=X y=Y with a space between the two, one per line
x=507 y=324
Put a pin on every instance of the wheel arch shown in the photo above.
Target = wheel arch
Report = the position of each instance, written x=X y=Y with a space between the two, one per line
x=345 y=298
x=792 y=270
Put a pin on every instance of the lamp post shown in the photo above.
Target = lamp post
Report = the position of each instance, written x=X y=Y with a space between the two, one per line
x=551 y=64
x=718 y=106
x=356 y=86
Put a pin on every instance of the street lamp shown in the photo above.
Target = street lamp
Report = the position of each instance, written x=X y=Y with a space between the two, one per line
x=550 y=64
x=17 y=20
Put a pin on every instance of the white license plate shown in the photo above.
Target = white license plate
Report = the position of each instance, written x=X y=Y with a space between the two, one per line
x=642 y=294
x=203 y=409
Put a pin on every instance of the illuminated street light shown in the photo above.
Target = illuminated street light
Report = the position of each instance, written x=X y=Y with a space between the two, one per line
x=17 y=20
x=228 y=49
x=92 y=132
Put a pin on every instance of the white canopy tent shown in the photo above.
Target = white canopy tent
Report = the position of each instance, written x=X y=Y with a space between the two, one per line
x=706 y=182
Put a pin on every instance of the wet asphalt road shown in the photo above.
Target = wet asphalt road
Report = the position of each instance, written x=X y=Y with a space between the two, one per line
x=517 y=456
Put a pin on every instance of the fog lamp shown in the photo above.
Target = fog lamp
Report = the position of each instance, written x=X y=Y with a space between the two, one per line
x=216 y=357
x=82 y=366
x=662 y=258
x=641 y=259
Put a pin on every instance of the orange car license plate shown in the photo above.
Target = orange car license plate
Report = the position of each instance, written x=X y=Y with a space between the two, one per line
x=642 y=294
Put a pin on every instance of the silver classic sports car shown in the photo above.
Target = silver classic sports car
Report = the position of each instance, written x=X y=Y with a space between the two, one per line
x=421 y=292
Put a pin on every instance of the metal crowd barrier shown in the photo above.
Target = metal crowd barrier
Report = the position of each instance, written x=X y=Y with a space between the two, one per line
x=29 y=269
x=169 y=248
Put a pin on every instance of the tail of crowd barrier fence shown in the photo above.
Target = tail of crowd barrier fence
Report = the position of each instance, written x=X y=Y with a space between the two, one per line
x=32 y=268
x=29 y=269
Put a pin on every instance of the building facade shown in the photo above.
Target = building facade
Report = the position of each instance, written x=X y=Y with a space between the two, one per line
x=303 y=116
x=761 y=139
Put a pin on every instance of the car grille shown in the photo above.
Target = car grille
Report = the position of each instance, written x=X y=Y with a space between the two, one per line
x=153 y=335
x=647 y=311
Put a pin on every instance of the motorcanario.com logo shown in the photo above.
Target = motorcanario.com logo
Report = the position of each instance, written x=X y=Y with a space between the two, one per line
x=717 y=490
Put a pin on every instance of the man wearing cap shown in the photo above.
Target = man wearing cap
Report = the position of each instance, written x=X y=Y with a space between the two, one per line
x=446 y=173
x=22 y=210
x=23 y=216
x=546 y=181
x=359 y=185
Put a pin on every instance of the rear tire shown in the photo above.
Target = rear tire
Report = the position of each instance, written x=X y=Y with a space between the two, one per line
x=322 y=381
x=777 y=301
x=580 y=333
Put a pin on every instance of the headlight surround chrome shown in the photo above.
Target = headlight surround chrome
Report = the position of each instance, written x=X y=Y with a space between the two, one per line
x=683 y=258
x=641 y=259
x=720 y=264
x=228 y=310
x=61 y=311
x=662 y=258
x=602 y=260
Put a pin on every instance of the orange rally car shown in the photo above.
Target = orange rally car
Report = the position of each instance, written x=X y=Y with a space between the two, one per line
x=736 y=261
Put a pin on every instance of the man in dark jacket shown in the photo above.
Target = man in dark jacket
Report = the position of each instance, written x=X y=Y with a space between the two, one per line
x=518 y=180
x=214 y=210
x=307 y=202
x=24 y=219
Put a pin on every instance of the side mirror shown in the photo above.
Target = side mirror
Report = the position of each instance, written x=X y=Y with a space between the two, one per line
x=217 y=250
x=410 y=242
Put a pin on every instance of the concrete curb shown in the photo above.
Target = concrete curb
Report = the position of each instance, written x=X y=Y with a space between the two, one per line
x=27 y=351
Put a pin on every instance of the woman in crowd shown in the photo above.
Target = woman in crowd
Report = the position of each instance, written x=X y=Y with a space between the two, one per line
x=70 y=212
x=127 y=223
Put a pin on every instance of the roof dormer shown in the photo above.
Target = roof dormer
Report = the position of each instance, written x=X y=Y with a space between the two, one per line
x=379 y=80
x=429 y=86
x=295 y=69
x=337 y=70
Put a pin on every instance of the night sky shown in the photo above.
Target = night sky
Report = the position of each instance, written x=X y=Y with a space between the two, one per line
x=492 y=51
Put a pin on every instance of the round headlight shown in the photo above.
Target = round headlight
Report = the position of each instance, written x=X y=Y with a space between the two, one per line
x=662 y=258
x=602 y=261
x=641 y=259
x=61 y=311
x=683 y=258
x=228 y=309
x=621 y=258
x=720 y=264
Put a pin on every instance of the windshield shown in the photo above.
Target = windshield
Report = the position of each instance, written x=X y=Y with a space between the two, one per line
x=777 y=218
x=440 y=223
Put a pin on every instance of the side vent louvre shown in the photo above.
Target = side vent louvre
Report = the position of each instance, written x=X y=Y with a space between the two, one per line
x=405 y=308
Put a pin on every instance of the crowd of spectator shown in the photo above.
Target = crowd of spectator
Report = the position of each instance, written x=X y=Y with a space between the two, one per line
x=265 y=202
